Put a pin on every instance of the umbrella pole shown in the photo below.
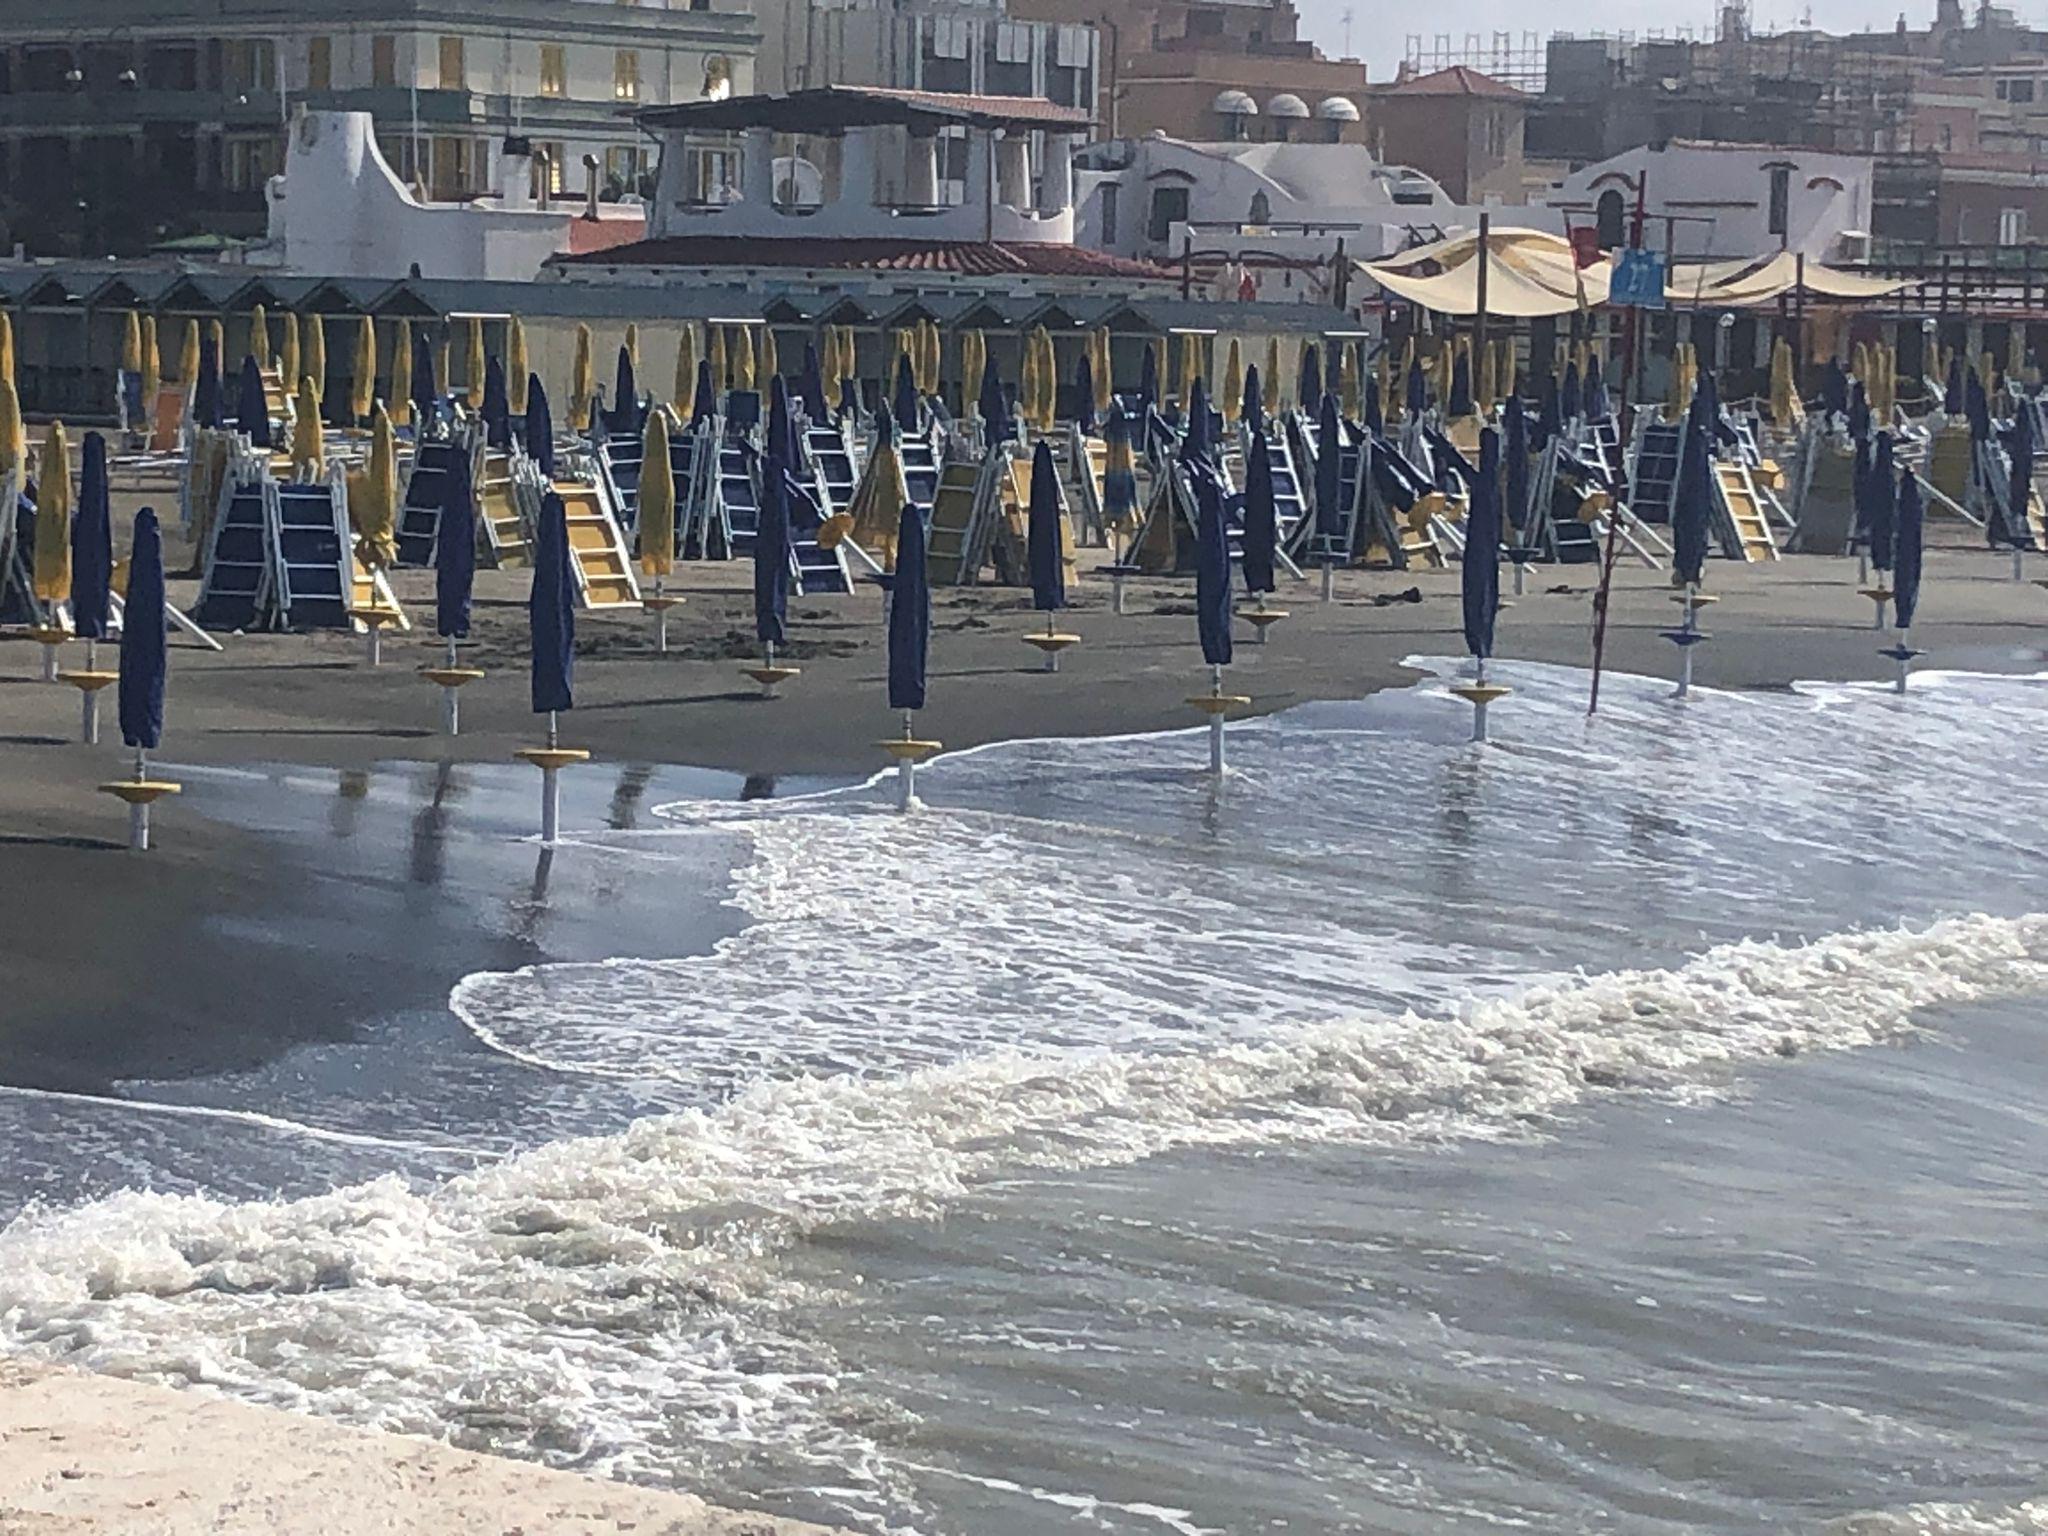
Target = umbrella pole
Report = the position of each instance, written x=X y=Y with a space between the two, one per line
x=1329 y=580
x=138 y=809
x=2019 y=563
x=1052 y=655
x=660 y=619
x=1216 y=724
x=1904 y=658
x=906 y=775
x=451 y=707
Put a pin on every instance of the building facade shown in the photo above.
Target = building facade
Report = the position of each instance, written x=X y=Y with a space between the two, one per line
x=157 y=123
x=1459 y=127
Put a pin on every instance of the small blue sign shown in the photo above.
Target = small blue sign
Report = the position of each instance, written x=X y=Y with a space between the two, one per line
x=1638 y=280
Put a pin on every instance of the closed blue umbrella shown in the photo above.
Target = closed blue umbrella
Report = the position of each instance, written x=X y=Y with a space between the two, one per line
x=771 y=551
x=625 y=395
x=1374 y=421
x=1253 y=406
x=426 y=392
x=813 y=386
x=1834 y=389
x=995 y=409
x=206 y=405
x=92 y=544
x=1212 y=570
x=1907 y=551
x=1084 y=393
x=1042 y=534
x=781 y=439
x=2019 y=488
x=1333 y=369
x=1460 y=403
x=455 y=552
x=1329 y=484
x=1571 y=404
x=1148 y=380
x=1308 y=387
x=497 y=406
x=1952 y=393
x=1859 y=411
x=540 y=427
x=906 y=393
x=1261 y=518
x=910 y=614
x=1977 y=406
x=1195 y=443
x=551 y=610
x=1119 y=475
x=1479 y=575
x=1598 y=407
x=1515 y=417
x=1418 y=388
x=252 y=406
x=1881 y=517
x=704 y=403
x=145 y=654
x=1693 y=498
x=1549 y=412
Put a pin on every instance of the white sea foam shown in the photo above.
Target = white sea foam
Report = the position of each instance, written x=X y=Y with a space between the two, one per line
x=2027 y=1518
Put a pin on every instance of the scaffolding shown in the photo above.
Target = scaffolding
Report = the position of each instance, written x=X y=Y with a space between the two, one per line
x=1513 y=58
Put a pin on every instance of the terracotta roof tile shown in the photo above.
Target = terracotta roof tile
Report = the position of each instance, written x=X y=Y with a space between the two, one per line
x=961 y=258
x=1455 y=81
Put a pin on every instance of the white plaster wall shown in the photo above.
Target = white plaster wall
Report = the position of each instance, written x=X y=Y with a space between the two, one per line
x=1731 y=186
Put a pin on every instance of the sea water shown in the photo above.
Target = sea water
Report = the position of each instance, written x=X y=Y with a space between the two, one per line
x=1633 y=1125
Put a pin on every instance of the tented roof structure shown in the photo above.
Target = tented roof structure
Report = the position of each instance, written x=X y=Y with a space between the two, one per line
x=1529 y=274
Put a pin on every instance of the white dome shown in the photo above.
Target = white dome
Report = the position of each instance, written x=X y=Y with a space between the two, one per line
x=1337 y=109
x=1287 y=104
x=1234 y=104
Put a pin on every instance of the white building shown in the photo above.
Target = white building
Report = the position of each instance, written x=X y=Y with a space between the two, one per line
x=1725 y=201
x=961 y=47
x=341 y=210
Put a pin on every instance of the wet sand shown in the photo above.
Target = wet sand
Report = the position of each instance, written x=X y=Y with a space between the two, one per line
x=227 y=945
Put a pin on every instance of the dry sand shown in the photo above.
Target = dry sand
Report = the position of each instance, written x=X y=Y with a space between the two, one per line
x=92 y=1456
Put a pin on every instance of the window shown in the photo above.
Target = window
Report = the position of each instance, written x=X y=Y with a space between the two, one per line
x=626 y=75
x=454 y=70
x=1169 y=207
x=252 y=65
x=1261 y=210
x=455 y=164
x=552 y=167
x=1496 y=136
x=383 y=59
x=2012 y=226
x=1607 y=217
x=2022 y=91
x=554 y=70
x=320 y=64
x=621 y=170
x=1110 y=190
x=248 y=163
x=1781 y=199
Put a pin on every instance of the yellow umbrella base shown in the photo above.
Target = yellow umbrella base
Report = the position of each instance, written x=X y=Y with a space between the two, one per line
x=769 y=677
x=1481 y=693
x=450 y=677
x=1051 y=645
x=1259 y=618
x=1219 y=703
x=140 y=791
x=547 y=759
x=89 y=682
x=906 y=749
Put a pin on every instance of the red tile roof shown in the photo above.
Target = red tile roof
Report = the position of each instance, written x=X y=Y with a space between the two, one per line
x=961 y=258
x=1455 y=81
x=604 y=234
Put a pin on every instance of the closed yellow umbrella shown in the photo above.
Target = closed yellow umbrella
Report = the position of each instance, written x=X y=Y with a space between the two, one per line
x=399 y=403
x=444 y=364
x=830 y=364
x=1347 y=380
x=259 y=336
x=582 y=381
x=876 y=511
x=288 y=351
x=6 y=346
x=973 y=364
x=131 y=342
x=771 y=360
x=657 y=500
x=313 y=362
x=374 y=510
x=473 y=361
x=52 y=578
x=1781 y=383
x=152 y=373
x=517 y=370
x=1105 y=387
x=13 y=431
x=1275 y=382
x=1190 y=362
x=1383 y=381
x=13 y=434
x=1048 y=380
x=721 y=361
x=743 y=371
x=684 y=390
x=1442 y=369
x=633 y=347
x=217 y=333
x=1504 y=367
x=309 y=454
x=1233 y=383
x=1027 y=380
x=188 y=356
x=935 y=355
x=364 y=396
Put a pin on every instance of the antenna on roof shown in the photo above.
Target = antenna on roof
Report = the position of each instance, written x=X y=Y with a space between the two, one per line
x=1346 y=19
